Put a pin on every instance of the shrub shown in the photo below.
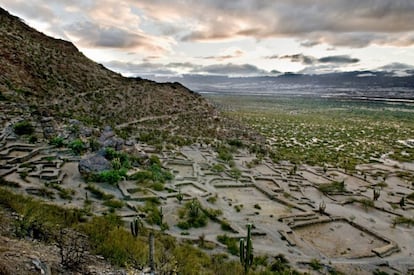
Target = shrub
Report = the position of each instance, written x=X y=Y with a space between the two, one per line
x=77 y=146
x=122 y=159
x=154 y=173
x=193 y=214
x=403 y=220
x=218 y=168
x=57 y=141
x=110 y=176
x=224 y=154
x=315 y=264
x=332 y=187
x=231 y=243
x=212 y=199
x=98 y=193
x=23 y=128
x=235 y=142
x=157 y=186
x=113 y=203
x=225 y=226
x=32 y=139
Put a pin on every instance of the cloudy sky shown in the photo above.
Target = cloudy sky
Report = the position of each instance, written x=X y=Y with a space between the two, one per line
x=240 y=37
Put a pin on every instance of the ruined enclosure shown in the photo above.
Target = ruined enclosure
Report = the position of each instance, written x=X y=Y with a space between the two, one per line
x=339 y=239
x=283 y=202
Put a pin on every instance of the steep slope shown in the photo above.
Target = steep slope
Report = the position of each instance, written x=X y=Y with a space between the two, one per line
x=41 y=77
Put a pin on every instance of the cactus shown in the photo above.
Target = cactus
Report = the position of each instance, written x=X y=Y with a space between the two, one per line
x=151 y=252
x=402 y=202
x=180 y=197
x=116 y=164
x=322 y=207
x=194 y=208
x=161 y=215
x=136 y=224
x=377 y=193
x=246 y=250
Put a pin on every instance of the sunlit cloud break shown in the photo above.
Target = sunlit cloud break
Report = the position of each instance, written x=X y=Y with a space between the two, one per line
x=246 y=37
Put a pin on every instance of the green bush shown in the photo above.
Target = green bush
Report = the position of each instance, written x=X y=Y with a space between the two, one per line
x=403 y=220
x=218 y=168
x=231 y=243
x=224 y=154
x=225 y=226
x=123 y=158
x=77 y=146
x=113 y=203
x=235 y=142
x=110 y=176
x=98 y=193
x=193 y=215
x=332 y=187
x=23 y=128
x=157 y=186
x=154 y=173
x=57 y=141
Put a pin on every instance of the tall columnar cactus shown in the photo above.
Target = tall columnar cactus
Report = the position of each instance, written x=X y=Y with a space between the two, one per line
x=151 y=252
x=180 y=197
x=136 y=225
x=322 y=207
x=161 y=216
x=246 y=250
x=377 y=193
x=402 y=202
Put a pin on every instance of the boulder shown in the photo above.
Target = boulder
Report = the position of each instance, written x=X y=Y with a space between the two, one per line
x=108 y=139
x=93 y=164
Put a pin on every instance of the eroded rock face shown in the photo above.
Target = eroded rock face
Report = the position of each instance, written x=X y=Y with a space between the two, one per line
x=109 y=139
x=93 y=164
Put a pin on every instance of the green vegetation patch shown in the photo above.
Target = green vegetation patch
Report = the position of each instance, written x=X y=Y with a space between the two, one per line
x=192 y=215
x=333 y=187
x=320 y=131
x=23 y=128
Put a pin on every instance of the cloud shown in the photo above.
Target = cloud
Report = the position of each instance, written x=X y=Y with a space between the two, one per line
x=139 y=69
x=338 y=59
x=351 y=23
x=396 y=66
x=177 y=68
x=300 y=58
x=319 y=69
x=310 y=60
x=93 y=35
x=398 y=69
x=231 y=70
x=275 y=56
x=235 y=54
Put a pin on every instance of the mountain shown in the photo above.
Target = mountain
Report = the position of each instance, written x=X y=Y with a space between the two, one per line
x=46 y=77
x=387 y=84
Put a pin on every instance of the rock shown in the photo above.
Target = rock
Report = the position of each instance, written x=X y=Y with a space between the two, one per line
x=109 y=139
x=74 y=122
x=93 y=164
x=42 y=267
x=86 y=132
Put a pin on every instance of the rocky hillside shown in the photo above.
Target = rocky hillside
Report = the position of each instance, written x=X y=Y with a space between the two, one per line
x=46 y=77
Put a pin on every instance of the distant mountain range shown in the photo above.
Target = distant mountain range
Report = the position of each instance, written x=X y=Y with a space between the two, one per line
x=371 y=84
